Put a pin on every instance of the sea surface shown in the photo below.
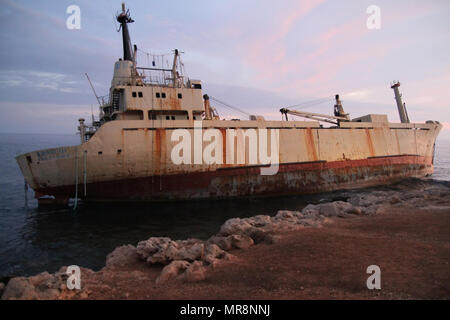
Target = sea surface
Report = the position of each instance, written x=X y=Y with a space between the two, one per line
x=34 y=240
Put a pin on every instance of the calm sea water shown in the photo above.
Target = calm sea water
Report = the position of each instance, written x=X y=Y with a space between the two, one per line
x=33 y=240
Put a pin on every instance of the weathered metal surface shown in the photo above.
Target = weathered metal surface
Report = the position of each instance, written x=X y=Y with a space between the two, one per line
x=130 y=160
x=295 y=178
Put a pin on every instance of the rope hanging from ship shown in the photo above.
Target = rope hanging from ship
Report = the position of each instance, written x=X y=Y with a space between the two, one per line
x=303 y=105
x=229 y=106
x=311 y=103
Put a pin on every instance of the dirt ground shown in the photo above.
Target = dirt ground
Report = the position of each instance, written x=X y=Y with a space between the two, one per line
x=411 y=246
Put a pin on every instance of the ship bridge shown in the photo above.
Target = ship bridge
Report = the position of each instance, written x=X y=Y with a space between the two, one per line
x=153 y=92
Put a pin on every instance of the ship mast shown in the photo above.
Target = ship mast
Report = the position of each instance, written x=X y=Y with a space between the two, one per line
x=400 y=104
x=175 y=75
x=124 y=18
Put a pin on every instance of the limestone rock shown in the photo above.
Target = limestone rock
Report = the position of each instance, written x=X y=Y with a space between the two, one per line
x=121 y=256
x=343 y=207
x=288 y=215
x=20 y=288
x=164 y=250
x=329 y=209
x=189 y=253
x=395 y=199
x=241 y=241
x=310 y=210
x=234 y=226
x=47 y=285
x=195 y=272
x=156 y=250
x=260 y=235
x=223 y=243
x=355 y=210
x=172 y=270
x=259 y=221
x=212 y=253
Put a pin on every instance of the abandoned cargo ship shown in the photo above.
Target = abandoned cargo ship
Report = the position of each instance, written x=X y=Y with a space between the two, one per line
x=158 y=138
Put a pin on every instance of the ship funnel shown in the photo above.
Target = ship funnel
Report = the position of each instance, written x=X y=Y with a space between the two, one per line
x=400 y=105
x=124 y=18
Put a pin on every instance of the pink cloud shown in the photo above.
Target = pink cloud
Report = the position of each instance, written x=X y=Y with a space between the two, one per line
x=269 y=46
x=446 y=126
x=328 y=60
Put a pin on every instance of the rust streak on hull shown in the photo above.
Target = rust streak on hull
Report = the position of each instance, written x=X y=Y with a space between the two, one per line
x=370 y=143
x=295 y=178
x=310 y=145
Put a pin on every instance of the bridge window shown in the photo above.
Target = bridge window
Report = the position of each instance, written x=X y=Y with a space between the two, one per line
x=180 y=96
x=168 y=115
x=134 y=94
x=132 y=115
x=140 y=94
x=163 y=95
x=158 y=95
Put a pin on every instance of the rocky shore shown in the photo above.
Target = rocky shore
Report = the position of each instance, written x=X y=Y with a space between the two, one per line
x=290 y=242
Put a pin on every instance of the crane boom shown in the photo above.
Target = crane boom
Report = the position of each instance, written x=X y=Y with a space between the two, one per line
x=314 y=116
x=339 y=114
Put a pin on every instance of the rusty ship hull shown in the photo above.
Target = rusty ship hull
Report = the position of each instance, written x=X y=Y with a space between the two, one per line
x=135 y=165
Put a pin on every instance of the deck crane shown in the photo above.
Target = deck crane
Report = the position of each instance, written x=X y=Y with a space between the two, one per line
x=339 y=114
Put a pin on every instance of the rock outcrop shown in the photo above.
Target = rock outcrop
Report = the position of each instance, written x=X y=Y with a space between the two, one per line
x=44 y=286
x=121 y=256
x=191 y=260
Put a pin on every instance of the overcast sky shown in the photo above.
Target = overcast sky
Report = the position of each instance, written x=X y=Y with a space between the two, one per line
x=254 y=54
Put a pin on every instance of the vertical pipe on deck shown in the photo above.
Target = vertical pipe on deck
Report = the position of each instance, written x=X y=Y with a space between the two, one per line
x=84 y=171
x=76 y=180
x=401 y=107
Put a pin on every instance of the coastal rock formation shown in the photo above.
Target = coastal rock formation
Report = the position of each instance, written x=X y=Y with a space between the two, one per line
x=195 y=272
x=44 y=286
x=191 y=260
x=121 y=256
x=190 y=256
x=164 y=250
x=172 y=270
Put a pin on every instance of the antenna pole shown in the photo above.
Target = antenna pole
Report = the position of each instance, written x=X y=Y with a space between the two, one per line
x=174 y=68
x=96 y=96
